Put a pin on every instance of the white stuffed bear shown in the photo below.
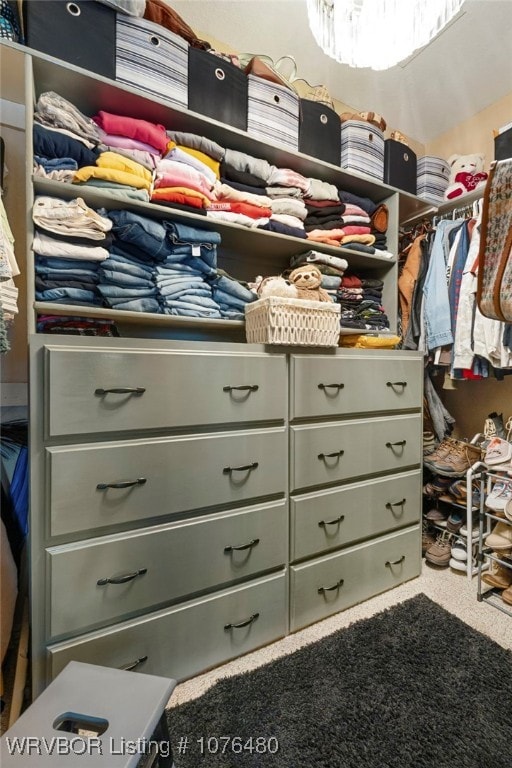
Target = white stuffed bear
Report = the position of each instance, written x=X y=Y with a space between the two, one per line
x=466 y=174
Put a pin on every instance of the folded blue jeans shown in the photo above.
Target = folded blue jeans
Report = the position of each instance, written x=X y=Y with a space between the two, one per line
x=139 y=305
x=144 y=234
x=78 y=294
x=121 y=278
x=119 y=291
x=233 y=288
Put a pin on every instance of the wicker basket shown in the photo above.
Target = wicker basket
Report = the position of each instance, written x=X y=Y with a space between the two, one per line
x=296 y=322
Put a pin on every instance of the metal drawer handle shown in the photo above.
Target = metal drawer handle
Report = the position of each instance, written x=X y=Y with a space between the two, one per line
x=331 y=589
x=339 y=519
x=389 y=563
x=331 y=386
x=244 y=388
x=243 y=468
x=396 y=383
x=392 y=504
x=134 y=664
x=242 y=623
x=122 y=579
x=400 y=443
x=124 y=484
x=242 y=546
x=330 y=455
x=121 y=391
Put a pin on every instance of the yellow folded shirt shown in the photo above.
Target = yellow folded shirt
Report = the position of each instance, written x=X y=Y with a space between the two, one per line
x=110 y=174
x=206 y=159
x=125 y=164
x=361 y=341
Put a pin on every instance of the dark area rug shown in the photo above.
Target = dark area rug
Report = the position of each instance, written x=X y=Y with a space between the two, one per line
x=412 y=687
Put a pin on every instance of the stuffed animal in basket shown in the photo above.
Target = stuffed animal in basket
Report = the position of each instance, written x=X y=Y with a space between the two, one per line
x=307 y=280
x=275 y=285
x=466 y=174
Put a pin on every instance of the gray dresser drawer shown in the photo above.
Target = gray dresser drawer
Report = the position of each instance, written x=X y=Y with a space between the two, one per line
x=165 y=476
x=158 y=565
x=335 y=582
x=183 y=641
x=166 y=389
x=332 y=452
x=323 y=386
x=332 y=519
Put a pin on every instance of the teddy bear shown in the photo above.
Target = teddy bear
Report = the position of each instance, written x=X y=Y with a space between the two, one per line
x=466 y=174
x=275 y=285
x=307 y=280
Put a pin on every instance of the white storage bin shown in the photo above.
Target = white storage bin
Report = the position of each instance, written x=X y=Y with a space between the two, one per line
x=362 y=148
x=152 y=58
x=272 y=112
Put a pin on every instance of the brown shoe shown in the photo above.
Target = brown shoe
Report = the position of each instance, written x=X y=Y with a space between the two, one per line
x=461 y=457
x=506 y=596
x=440 y=552
x=442 y=450
x=428 y=537
x=498 y=576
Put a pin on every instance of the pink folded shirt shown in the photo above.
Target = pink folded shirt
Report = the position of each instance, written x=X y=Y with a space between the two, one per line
x=181 y=175
x=123 y=142
x=132 y=128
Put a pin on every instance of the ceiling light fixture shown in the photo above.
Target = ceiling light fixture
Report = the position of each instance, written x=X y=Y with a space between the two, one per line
x=377 y=33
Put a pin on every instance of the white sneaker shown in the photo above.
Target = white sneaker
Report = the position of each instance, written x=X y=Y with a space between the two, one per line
x=458 y=565
x=460 y=551
x=501 y=493
x=498 y=451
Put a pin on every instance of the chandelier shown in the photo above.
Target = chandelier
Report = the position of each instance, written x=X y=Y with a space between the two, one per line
x=377 y=33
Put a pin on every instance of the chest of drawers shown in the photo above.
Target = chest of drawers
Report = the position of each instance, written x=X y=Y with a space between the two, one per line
x=192 y=501
x=159 y=502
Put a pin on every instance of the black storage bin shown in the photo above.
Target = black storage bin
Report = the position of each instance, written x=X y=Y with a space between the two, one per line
x=503 y=145
x=400 y=166
x=217 y=88
x=81 y=32
x=319 y=131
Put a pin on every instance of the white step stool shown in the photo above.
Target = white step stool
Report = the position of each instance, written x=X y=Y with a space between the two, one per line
x=95 y=717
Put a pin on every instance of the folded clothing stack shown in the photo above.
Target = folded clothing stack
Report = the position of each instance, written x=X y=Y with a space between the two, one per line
x=182 y=278
x=76 y=326
x=70 y=242
x=186 y=175
x=120 y=175
x=231 y=295
x=361 y=303
x=64 y=138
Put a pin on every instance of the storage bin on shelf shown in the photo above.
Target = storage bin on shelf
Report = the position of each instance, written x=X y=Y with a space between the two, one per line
x=319 y=131
x=400 y=166
x=272 y=112
x=217 y=89
x=362 y=148
x=296 y=322
x=153 y=58
x=82 y=33
x=433 y=175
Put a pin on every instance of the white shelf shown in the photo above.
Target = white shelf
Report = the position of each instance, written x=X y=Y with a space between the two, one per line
x=236 y=240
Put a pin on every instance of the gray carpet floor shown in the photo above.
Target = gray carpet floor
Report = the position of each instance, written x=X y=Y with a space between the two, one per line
x=411 y=687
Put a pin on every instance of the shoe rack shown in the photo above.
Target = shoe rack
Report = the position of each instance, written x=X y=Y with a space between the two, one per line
x=500 y=598
x=471 y=510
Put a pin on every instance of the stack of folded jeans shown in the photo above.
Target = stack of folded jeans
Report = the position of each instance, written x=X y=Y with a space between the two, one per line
x=182 y=279
x=128 y=276
x=231 y=295
x=70 y=242
x=127 y=283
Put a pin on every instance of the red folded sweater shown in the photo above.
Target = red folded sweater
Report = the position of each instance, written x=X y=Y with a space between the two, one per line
x=141 y=130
